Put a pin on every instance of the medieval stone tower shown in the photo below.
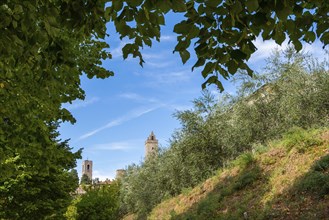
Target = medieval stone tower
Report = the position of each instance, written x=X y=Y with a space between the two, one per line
x=151 y=146
x=87 y=168
x=120 y=173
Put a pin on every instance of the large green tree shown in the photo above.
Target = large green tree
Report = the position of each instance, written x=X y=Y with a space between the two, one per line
x=45 y=47
x=36 y=180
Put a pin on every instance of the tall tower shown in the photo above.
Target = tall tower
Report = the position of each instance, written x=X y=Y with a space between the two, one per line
x=151 y=146
x=87 y=168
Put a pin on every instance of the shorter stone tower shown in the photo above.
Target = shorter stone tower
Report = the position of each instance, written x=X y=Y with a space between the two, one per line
x=87 y=168
x=151 y=146
x=120 y=173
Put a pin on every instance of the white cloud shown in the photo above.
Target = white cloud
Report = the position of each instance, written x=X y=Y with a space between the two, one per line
x=167 y=77
x=159 y=64
x=178 y=107
x=118 y=121
x=167 y=38
x=158 y=55
x=265 y=48
x=138 y=98
x=132 y=96
x=315 y=49
x=82 y=103
x=103 y=175
x=170 y=106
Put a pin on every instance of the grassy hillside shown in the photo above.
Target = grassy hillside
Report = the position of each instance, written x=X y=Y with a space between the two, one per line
x=287 y=179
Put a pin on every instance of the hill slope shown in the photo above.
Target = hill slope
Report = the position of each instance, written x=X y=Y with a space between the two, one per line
x=287 y=179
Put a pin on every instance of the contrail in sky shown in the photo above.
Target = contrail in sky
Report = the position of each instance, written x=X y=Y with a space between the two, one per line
x=118 y=121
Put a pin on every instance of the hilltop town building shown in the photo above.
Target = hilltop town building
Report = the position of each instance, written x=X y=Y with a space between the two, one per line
x=87 y=168
x=151 y=146
x=120 y=173
x=151 y=150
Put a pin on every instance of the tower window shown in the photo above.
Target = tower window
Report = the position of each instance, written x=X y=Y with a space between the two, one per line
x=88 y=167
x=152 y=138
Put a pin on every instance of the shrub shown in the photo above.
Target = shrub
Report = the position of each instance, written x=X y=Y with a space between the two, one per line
x=207 y=208
x=244 y=160
x=247 y=178
x=317 y=180
x=322 y=165
x=301 y=139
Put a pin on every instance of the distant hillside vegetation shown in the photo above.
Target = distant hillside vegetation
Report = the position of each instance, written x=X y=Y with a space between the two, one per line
x=286 y=179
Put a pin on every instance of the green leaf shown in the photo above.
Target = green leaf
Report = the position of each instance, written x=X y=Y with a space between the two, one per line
x=298 y=45
x=127 y=49
x=238 y=54
x=322 y=27
x=210 y=66
x=325 y=38
x=283 y=13
x=140 y=17
x=179 y=6
x=146 y=12
x=252 y=5
x=18 y=9
x=213 y=80
x=164 y=6
x=182 y=45
x=183 y=27
x=193 y=32
x=117 y=5
x=161 y=19
x=279 y=36
x=236 y=7
x=14 y=24
x=147 y=41
x=185 y=55
x=200 y=62
x=290 y=25
x=123 y=28
x=232 y=66
x=214 y=3
x=134 y=3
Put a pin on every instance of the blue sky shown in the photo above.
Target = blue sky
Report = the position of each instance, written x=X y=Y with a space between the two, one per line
x=119 y=113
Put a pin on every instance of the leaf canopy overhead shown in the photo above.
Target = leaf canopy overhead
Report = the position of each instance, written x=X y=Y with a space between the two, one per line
x=223 y=31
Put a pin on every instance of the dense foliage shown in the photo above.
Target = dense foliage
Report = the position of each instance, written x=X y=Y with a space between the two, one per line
x=100 y=202
x=45 y=47
x=85 y=180
x=293 y=91
x=36 y=181
x=222 y=31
